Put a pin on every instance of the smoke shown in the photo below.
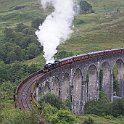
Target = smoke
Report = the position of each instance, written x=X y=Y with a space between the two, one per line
x=57 y=27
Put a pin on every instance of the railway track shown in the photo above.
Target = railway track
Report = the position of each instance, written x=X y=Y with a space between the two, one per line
x=23 y=92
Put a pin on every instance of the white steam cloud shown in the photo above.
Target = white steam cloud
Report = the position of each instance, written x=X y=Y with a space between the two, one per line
x=56 y=28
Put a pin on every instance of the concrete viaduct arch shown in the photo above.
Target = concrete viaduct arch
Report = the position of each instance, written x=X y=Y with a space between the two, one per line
x=79 y=81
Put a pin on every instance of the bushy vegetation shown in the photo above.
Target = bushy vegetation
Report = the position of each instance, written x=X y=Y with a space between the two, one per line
x=85 y=7
x=55 y=116
x=88 y=120
x=118 y=108
x=15 y=116
x=16 y=71
x=100 y=107
x=20 y=43
x=10 y=76
x=52 y=100
x=63 y=54
x=37 y=22
x=104 y=107
x=55 y=110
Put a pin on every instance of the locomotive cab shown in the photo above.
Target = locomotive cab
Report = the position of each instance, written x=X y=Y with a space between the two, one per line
x=51 y=66
x=47 y=66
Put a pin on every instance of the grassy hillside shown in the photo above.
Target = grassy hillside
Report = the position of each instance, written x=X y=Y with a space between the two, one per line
x=103 y=120
x=18 y=11
x=107 y=5
x=96 y=32
x=103 y=29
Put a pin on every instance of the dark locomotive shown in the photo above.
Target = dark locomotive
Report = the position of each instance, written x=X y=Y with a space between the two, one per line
x=83 y=57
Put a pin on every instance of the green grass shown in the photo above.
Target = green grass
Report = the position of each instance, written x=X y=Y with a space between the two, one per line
x=97 y=32
x=102 y=120
x=38 y=60
x=105 y=6
x=9 y=17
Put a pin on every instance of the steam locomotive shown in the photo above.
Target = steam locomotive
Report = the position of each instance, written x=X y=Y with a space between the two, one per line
x=51 y=66
x=83 y=57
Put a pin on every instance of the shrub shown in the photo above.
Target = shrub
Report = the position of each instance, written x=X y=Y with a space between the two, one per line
x=89 y=120
x=52 y=100
x=20 y=44
x=55 y=116
x=65 y=117
x=36 y=22
x=118 y=108
x=100 y=107
x=85 y=7
x=15 y=116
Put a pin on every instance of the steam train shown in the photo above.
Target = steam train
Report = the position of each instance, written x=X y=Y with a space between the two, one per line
x=83 y=57
x=50 y=66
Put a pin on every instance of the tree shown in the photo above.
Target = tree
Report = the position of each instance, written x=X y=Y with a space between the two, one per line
x=32 y=50
x=52 y=100
x=15 y=116
x=85 y=7
x=100 y=107
x=6 y=91
x=11 y=57
x=21 y=40
x=2 y=52
x=11 y=52
x=36 y=23
x=21 y=44
x=64 y=117
x=118 y=108
x=55 y=116
x=9 y=33
x=20 y=27
x=3 y=71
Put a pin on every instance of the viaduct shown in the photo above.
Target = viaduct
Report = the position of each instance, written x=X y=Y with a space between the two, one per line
x=78 y=81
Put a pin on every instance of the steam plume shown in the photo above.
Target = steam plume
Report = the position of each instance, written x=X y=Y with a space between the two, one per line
x=56 y=28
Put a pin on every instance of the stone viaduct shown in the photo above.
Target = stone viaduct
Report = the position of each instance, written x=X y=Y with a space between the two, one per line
x=79 y=81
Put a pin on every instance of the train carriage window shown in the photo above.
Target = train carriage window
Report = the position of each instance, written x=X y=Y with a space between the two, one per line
x=100 y=54
x=118 y=51
x=85 y=57
x=111 y=53
x=75 y=59
x=122 y=50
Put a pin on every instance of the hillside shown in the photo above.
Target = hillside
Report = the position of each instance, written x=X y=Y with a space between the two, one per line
x=13 y=12
x=97 y=31
x=103 y=29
